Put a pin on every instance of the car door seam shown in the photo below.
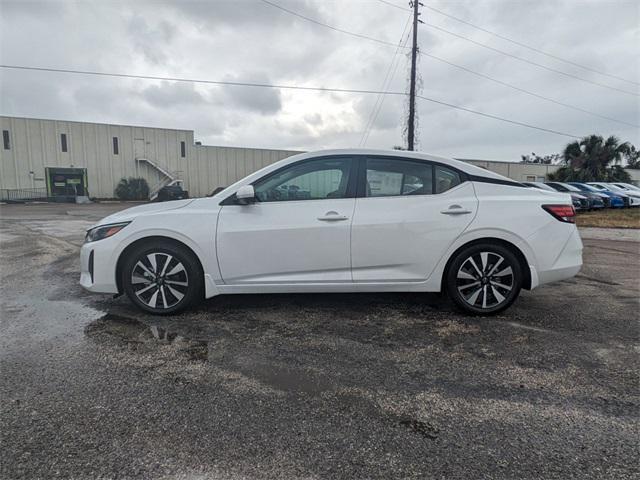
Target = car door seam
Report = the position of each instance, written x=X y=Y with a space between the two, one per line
x=215 y=242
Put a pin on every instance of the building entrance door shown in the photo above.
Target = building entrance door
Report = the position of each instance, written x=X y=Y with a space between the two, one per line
x=65 y=184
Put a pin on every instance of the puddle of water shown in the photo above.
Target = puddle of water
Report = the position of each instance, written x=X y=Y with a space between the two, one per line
x=132 y=332
x=139 y=336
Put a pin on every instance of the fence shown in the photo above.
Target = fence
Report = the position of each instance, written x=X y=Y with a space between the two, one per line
x=23 y=194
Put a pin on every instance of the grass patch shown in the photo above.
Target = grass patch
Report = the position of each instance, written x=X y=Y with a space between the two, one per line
x=618 y=218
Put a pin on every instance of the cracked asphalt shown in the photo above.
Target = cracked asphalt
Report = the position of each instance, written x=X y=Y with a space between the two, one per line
x=312 y=386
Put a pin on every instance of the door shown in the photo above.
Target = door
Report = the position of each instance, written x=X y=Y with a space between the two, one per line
x=406 y=217
x=298 y=229
x=139 y=148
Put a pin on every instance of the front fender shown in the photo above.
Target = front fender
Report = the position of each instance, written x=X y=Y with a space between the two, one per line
x=189 y=229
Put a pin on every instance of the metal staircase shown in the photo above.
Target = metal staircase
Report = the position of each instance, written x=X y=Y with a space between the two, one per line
x=168 y=177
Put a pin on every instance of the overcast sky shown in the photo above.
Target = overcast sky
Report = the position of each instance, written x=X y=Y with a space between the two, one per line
x=248 y=40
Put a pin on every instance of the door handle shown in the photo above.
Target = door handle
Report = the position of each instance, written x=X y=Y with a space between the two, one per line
x=332 y=217
x=455 y=210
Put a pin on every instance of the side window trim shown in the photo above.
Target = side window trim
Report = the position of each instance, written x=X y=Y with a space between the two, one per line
x=351 y=185
x=362 y=174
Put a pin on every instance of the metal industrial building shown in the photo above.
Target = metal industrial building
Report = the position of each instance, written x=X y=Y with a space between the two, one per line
x=89 y=159
x=66 y=159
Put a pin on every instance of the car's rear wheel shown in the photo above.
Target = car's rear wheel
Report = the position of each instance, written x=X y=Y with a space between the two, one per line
x=162 y=277
x=484 y=279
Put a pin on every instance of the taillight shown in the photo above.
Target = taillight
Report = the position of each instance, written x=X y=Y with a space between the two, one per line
x=564 y=213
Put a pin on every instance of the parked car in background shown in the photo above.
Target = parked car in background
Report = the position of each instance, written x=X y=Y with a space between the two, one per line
x=632 y=196
x=341 y=221
x=617 y=201
x=612 y=192
x=590 y=192
x=580 y=202
x=597 y=199
x=172 y=192
x=627 y=187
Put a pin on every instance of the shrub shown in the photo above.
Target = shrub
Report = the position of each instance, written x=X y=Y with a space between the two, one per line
x=132 y=189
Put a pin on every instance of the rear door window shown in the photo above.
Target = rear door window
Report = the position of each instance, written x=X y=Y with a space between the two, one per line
x=391 y=177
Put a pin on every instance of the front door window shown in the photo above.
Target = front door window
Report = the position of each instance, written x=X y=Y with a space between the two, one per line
x=312 y=180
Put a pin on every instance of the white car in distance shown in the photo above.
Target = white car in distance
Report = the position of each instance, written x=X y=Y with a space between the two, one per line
x=341 y=221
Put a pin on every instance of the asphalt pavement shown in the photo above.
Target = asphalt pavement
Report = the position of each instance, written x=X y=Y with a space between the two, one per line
x=312 y=386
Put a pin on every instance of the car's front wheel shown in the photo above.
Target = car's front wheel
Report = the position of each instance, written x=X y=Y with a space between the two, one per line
x=162 y=277
x=484 y=279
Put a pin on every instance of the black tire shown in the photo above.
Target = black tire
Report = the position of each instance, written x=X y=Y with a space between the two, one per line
x=173 y=292
x=484 y=288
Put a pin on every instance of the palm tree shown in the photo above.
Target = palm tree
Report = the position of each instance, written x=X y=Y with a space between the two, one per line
x=594 y=159
x=594 y=155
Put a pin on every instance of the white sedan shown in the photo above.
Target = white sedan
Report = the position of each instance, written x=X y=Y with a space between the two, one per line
x=341 y=221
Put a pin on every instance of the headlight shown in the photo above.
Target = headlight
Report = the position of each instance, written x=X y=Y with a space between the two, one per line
x=104 y=231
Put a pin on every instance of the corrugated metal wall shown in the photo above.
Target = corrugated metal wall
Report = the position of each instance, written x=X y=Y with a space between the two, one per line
x=36 y=144
x=520 y=172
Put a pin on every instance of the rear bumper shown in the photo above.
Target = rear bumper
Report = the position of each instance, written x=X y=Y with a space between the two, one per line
x=567 y=264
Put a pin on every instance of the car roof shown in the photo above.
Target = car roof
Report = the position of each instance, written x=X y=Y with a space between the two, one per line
x=457 y=164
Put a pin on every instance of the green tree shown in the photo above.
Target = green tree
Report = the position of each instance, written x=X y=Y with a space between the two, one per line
x=545 y=160
x=633 y=158
x=594 y=159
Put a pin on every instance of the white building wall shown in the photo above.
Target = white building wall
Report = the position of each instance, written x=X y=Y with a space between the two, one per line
x=520 y=172
x=635 y=175
x=36 y=144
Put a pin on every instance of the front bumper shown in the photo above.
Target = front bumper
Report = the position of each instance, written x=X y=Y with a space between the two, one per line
x=97 y=268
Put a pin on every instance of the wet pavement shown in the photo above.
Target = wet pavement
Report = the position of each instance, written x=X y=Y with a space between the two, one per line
x=311 y=386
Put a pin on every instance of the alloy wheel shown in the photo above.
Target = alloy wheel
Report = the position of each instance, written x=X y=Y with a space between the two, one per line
x=485 y=280
x=159 y=280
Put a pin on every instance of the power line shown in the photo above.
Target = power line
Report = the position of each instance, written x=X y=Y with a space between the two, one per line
x=533 y=94
x=573 y=107
x=468 y=70
x=286 y=87
x=495 y=117
x=388 y=78
x=530 y=62
x=395 y=5
x=534 y=49
x=312 y=20
x=193 y=80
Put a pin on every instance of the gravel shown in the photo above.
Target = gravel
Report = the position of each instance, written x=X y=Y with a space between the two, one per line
x=311 y=386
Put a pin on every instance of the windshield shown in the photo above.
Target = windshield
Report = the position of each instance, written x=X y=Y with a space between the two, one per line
x=571 y=188
x=542 y=186
x=590 y=188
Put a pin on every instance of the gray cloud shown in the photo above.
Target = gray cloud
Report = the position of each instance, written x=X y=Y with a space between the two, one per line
x=263 y=101
x=172 y=93
x=248 y=40
x=150 y=40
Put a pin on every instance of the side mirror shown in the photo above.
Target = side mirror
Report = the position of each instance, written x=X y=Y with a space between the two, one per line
x=246 y=194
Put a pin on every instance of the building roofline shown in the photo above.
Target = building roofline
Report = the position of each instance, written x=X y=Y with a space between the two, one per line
x=96 y=123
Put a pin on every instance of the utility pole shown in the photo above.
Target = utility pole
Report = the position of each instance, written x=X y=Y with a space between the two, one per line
x=412 y=85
